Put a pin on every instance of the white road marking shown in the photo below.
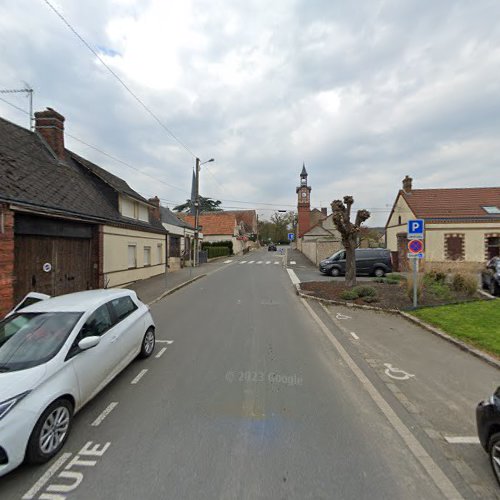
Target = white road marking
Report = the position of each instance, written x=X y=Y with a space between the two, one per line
x=260 y=262
x=342 y=316
x=104 y=414
x=277 y=262
x=438 y=476
x=158 y=341
x=139 y=376
x=268 y=262
x=243 y=261
x=462 y=439
x=162 y=351
x=354 y=336
x=392 y=372
x=293 y=262
x=251 y=262
x=45 y=478
x=228 y=261
x=293 y=276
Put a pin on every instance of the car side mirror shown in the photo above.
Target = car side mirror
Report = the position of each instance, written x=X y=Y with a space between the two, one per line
x=88 y=342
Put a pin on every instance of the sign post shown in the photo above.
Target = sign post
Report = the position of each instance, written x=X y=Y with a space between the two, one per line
x=291 y=237
x=416 y=229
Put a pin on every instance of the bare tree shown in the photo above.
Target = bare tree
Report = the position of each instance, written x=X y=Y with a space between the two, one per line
x=349 y=232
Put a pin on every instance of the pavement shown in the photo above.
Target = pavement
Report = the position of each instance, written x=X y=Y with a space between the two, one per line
x=255 y=393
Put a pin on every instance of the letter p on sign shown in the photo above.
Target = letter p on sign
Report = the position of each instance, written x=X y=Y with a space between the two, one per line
x=415 y=226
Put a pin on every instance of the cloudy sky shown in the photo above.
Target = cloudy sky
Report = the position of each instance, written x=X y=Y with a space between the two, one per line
x=363 y=92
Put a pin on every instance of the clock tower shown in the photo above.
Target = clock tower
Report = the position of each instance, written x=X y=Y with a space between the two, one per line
x=303 y=204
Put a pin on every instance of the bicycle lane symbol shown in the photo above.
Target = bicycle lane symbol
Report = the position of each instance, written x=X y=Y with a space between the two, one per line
x=396 y=373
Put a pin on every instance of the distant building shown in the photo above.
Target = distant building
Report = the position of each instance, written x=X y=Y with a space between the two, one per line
x=461 y=224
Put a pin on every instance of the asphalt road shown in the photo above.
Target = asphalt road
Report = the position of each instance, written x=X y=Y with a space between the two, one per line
x=252 y=399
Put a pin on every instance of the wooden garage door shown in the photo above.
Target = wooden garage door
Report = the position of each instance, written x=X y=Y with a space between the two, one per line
x=69 y=259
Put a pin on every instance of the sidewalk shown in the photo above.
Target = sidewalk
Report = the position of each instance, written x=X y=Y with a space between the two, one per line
x=150 y=289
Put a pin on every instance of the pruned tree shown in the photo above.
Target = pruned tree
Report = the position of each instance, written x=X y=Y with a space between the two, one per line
x=341 y=211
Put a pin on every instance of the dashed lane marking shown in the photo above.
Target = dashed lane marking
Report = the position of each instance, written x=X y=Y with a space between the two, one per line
x=46 y=477
x=260 y=262
x=268 y=262
x=139 y=376
x=354 y=336
x=462 y=439
x=243 y=261
x=104 y=414
x=228 y=261
x=162 y=351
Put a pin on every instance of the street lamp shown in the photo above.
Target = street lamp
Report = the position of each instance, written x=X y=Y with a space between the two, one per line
x=197 y=209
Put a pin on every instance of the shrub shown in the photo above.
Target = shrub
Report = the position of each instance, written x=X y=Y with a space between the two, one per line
x=217 y=252
x=434 y=276
x=465 y=283
x=420 y=286
x=365 y=291
x=369 y=300
x=391 y=281
x=349 y=295
x=205 y=245
x=395 y=277
x=440 y=290
x=379 y=280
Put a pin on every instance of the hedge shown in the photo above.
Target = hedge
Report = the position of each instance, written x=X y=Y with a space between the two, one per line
x=217 y=252
x=211 y=244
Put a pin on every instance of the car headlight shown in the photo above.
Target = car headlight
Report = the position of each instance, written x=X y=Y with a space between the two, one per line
x=7 y=405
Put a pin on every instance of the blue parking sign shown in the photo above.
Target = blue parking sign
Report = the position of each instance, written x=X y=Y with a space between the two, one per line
x=415 y=226
x=291 y=236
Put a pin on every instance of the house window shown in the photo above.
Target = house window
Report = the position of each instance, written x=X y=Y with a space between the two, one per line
x=160 y=253
x=132 y=256
x=492 y=246
x=147 y=256
x=492 y=210
x=454 y=246
x=174 y=246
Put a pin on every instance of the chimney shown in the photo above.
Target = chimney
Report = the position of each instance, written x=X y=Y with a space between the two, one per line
x=154 y=212
x=50 y=125
x=407 y=184
x=324 y=211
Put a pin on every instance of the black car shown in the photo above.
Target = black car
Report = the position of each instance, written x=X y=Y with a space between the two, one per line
x=271 y=248
x=490 y=277
x=371 y=261
x=488 y=429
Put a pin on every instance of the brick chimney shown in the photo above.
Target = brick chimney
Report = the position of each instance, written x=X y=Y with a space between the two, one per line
x=407 y=184
x=155 y=212
x=50 y=125
x=324 y=211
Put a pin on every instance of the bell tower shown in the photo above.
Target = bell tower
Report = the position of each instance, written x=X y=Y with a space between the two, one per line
x=303 y=204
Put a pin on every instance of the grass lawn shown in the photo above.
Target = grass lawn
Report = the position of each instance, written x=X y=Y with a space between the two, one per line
x=477 y=323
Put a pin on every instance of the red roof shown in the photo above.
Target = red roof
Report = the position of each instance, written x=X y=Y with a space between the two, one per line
x=217 y=223
x=453 y=203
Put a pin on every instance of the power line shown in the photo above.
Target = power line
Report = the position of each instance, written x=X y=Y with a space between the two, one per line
x=125 y=86
x=14 y=106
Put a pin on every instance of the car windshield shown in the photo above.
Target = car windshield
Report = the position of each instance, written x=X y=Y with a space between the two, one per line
x=337 y=255
x=30 y=339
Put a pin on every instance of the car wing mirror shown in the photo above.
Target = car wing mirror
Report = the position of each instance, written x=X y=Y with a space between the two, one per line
x=88 y=342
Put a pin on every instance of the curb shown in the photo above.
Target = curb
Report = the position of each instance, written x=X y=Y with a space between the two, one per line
x=436 y=331
x=178 y=287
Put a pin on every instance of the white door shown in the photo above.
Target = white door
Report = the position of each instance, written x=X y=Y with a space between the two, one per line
x=94 y=367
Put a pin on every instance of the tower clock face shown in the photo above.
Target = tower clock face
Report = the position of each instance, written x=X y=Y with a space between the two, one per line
x=304 y=195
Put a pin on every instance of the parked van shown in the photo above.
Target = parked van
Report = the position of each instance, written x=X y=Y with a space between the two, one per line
x=372 y=261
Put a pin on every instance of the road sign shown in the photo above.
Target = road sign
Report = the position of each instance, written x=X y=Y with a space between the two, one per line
x=416 y=229
x=415 y=246
x=416 y=255
x=291 y=236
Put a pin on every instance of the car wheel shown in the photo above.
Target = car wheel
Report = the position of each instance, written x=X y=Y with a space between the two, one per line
x=148 y=343
x=493 y=287
x=379 y=272
x=494 y=452
x=334 y=272
x=50 y=432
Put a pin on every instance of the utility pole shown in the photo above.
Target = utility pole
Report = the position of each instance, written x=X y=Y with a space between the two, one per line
x=196 y=212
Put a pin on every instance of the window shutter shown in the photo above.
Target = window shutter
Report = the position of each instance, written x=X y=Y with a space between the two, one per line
x=454 y=247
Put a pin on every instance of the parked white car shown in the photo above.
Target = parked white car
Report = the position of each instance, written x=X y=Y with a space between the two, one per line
x=56 y=355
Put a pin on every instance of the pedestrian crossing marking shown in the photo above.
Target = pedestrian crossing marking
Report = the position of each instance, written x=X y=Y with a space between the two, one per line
x=228 y=261
x=293 y=262
x=268 y=262
x=276 y=262
x=251 y=262
x=260 y=262
x=243 y=262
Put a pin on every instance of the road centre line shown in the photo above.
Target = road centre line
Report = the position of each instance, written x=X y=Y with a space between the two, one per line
x=162 y=351
x=462 y=439
x=104 y=414
x=433 y=470
x=139 y=376
x=354 y=336
x=46 y=477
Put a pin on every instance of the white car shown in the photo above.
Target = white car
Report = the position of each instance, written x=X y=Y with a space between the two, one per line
x=56 y=355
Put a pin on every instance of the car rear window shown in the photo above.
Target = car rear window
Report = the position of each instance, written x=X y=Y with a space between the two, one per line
x=123 y=306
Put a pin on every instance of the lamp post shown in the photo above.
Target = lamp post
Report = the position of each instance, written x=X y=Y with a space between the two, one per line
x=197 y=209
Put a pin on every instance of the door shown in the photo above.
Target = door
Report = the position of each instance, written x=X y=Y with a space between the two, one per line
x=52 y=265
x=94 y=367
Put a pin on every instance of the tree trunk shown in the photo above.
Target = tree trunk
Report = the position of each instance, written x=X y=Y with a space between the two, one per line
x=350 y=263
